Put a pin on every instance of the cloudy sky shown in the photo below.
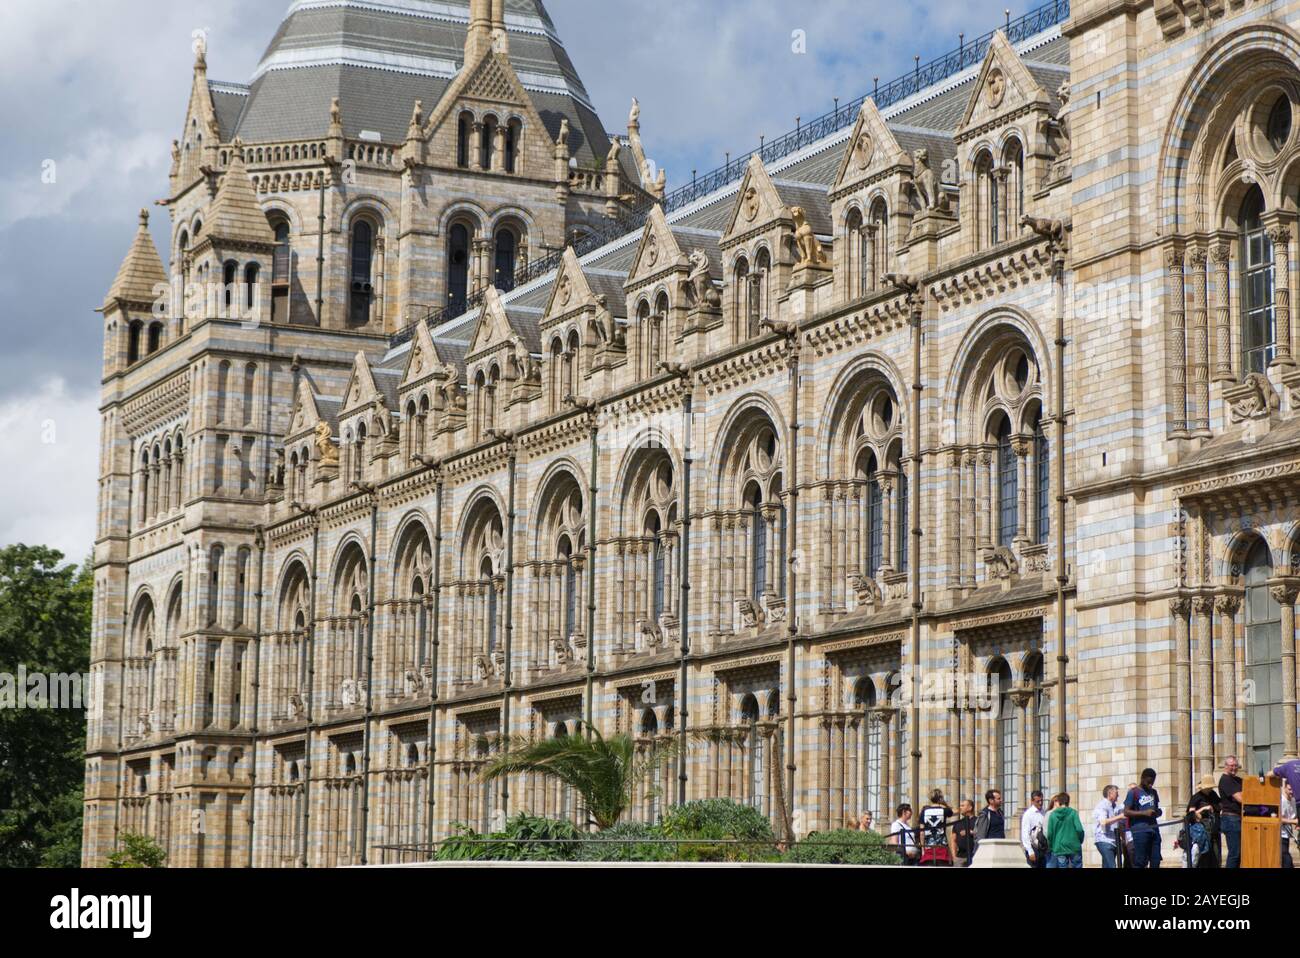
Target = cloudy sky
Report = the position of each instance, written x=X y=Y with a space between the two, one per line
x=97 y=90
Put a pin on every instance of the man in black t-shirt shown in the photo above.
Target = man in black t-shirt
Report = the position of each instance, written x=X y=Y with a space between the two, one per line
x=963 y=832
x=1230 y=810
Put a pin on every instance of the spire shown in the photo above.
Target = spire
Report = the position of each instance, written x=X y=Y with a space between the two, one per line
x=141 y=271
x=235 y=213
x=479 y=37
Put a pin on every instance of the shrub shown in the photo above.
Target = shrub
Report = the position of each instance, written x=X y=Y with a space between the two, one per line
x=608 y=845
x=525 y=838
x=843 y=846
x=137 y=851
x=722 y=821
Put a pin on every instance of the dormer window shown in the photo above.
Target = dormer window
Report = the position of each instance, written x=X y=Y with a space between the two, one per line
x=362 y=292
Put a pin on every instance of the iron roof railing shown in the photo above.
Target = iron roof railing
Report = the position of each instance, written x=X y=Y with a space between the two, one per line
x=895 y=91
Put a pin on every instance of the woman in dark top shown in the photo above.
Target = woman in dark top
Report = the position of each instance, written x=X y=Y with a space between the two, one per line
x=1204 y=808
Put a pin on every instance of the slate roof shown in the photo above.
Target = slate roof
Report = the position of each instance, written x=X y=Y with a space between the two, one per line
x=379 y=56
x=141 y=270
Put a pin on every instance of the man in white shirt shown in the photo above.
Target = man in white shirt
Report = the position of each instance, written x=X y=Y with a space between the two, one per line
x=1032 y=824
x=901 y=833
x=1105 y=817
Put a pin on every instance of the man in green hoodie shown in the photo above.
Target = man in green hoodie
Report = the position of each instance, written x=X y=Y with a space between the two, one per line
x=1064 y=834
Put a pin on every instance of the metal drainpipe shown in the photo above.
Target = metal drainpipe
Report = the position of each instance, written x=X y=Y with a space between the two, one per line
x=370 y=672
x=126 y=630
x=311 y=687
x=594 y=429
x=431 y=749
x=257 y=685
x=792 y=592
x=683 y=613
x=510 y=621
x=1062 y=575
x=320 y=255
x=914 y=507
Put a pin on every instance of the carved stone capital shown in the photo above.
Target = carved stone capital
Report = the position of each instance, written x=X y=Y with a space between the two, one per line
x=1221 y=254
x=1180 y=605
x=1197 y=257
x=1284 y=589
x=1279 y=235
x=1227 y=604
x=1203 y=605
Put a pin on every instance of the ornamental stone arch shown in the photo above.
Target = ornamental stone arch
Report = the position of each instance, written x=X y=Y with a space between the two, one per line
x=411 y=551
x=293 y=593
x=349 y=573
x=856 y=391
x=481 y=532
x=976 y=361
x=553 y=510
x=740 y=426
x=1208 y=110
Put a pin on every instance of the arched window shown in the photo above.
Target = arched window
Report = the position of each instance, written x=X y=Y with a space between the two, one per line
x=361 y=293
x=1265 y=713
x=155 y=337
x=229 y=279
x=281 y=259
x=878 y=236
x=133 y=334
x=507 y=248
x=1008 y=479
x=658 y=333
x=359 y=453
x=1006 y=732
x=514 y=130
x=488 y=144
x=485 y=574
x=1013 y=158
x=901 y=532
x=761 y=283
x=251 y=272
x=458 y=266
x=654 y=532
x=864 y=696
x=740 y=296
x=986 y=201
x=872 y=521
x=1042 y=701
x=241 y=585
x=781 y=533
x=855 y=262
x=1043 y=483
x=464 y=124
x=754 y=748
x=1258 y=334
x=216 y=555
x=758 y=535
x=223 y=390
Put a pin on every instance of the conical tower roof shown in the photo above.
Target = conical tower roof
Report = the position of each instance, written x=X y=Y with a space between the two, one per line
x=235 y=213
x=141 y=272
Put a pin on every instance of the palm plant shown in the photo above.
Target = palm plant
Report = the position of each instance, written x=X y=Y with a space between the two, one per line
x=603 y=771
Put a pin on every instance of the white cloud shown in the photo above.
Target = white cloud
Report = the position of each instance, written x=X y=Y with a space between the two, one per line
x=48 y=491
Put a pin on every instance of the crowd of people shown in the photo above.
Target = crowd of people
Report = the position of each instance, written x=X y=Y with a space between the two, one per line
x=1126 y=834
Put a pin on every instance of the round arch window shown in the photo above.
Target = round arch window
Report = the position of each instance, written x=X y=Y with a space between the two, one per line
x=1278 y=127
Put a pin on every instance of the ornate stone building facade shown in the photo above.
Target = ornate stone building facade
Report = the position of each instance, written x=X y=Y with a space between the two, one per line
x=950 y=442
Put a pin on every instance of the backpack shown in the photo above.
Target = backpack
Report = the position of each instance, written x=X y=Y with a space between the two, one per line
x=1038 y=841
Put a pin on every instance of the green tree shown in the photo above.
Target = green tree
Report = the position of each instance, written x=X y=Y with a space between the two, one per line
x=601 y=770
x=45 y=609
x=137 y=851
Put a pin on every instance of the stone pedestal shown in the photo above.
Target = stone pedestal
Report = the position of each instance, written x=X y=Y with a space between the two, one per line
x=999 y=853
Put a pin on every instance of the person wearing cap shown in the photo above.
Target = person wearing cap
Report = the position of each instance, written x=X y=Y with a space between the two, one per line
x=1105 y=817
x=1203 y=809
x=1142 y=809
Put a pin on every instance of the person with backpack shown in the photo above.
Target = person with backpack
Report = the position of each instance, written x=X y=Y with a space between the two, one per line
x=934 y=831
x=1200 y=838
x=902 y=833
x=1142 y=809
x=1064 y=833
x=1105 y=835
x=1032 y=839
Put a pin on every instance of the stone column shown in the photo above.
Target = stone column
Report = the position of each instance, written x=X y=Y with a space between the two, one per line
x=1221 y=256
x=1203 y=609
x=1199 y=354
x=1176 y=339
x=1280 y=236
x=1284 y=592
x=983 y=502
x=499 y=149
x=476 y=146
x=969 y=568
x=1020 y=445
x=869 y=280
x=953 y=518
x=1028 y=744
x=1179 y=607
x=1227 y=605
x=886 y=524
x=828 y=558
